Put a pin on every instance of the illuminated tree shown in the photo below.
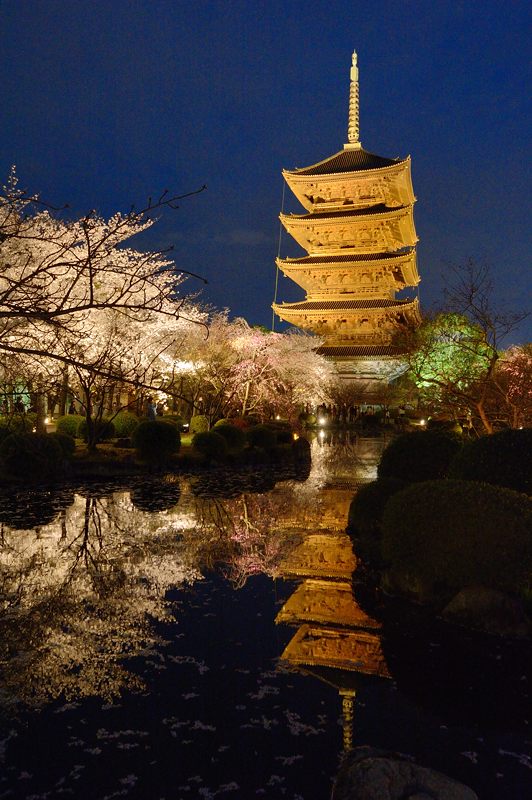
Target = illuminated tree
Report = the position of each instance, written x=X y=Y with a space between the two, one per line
x=453 y=356
x=65 y=282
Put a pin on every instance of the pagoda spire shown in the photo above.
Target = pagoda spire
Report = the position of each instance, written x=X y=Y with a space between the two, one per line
x=353 y=140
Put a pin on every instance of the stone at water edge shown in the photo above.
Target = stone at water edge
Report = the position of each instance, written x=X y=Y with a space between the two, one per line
x=488 y=610
x=370 y=774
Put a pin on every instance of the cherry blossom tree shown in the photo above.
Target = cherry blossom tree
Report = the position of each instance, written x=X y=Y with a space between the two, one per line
x=66 y=282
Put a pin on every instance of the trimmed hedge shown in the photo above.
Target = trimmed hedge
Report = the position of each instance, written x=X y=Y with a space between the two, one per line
x=445 y=535
x=419 y=456
x=31 y=456
x=66 y=443
x=104 y=430
x=69 y=424
x=198 y=424
x=364 y=523
x=262 y=436
x=155 y=441
x=210 y=444
x=235 y=437
x=125 y=423
x=503 y=459
x=20 y=422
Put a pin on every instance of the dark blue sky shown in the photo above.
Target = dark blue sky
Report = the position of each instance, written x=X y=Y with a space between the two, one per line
x=105 y=103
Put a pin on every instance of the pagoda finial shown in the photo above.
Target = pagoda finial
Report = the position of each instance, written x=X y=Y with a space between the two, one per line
x=353 y=140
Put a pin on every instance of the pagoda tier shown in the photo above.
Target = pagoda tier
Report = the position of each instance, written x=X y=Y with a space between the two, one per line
x=370 y=275
x=375 y=230
x=352 y=321
x=352 y=179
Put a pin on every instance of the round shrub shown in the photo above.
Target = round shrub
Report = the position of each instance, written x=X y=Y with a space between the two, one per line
x=364 y=522
x=66 y=443
x=198 y=424
x=155 y=441
x=446 y=535
x=69 y=424
x=224 y=421
x=419 y=456
x=210 y=444
x=125 y=423
x=31 y=456
x=261 y=436
x=235 y=437
x=175 y=419
x=448 y=425
x=501 y=458
x=105 y=430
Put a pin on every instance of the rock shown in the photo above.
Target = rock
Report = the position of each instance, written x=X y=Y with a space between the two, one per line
x=370 y=774
x=488 y=610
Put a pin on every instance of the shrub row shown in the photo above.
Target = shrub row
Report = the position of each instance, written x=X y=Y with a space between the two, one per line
x=502 y=458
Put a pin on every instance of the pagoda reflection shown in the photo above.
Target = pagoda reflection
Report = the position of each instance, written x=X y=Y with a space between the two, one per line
x=336 y=641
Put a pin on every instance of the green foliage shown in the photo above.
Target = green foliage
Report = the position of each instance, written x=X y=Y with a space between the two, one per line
x=364 y=522
x=502 y=458
x=419 y=456
x=31 y=456
x=210 y=444
x=104 y=428
x=223 y=422
x=66 y=443
x=155 y=441
x=69 y=424
x=198 y=424
x=261 y=436
x=19 y=423
x=125 y=423
x=449 y=351
x=451 y=534
x=235 y=437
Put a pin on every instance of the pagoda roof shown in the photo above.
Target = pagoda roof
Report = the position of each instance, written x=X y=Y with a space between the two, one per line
x=372 y=211
x=359 y=351
x=348 y=160
x=346 y=259
x=333 y=305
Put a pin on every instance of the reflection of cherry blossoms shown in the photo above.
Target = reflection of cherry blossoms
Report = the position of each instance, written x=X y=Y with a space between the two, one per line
x=79 y=595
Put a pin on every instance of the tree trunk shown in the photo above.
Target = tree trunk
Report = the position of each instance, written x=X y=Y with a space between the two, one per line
x=488 y=427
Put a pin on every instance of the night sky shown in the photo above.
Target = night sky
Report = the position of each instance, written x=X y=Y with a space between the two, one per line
x=107 y=102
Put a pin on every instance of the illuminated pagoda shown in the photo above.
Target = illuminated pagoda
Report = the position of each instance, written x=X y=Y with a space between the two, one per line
x=359 y=236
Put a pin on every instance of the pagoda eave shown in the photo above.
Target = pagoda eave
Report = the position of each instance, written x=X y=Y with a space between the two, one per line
x=345 y=233
x=388 y=185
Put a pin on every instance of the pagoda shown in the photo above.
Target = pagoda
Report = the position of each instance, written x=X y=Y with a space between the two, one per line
x=359 y=237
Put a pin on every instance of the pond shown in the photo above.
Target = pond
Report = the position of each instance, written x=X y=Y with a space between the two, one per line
x=201 y=637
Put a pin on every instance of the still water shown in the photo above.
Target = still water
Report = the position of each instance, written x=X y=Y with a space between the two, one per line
x=199 y=637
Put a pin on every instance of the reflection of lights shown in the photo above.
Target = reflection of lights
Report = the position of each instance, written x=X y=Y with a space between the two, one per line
x=322 y=434
x=321 y=421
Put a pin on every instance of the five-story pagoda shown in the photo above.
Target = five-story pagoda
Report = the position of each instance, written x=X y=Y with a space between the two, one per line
x=360 y=239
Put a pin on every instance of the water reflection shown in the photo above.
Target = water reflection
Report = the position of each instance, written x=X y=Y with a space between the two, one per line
x=85 y=572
